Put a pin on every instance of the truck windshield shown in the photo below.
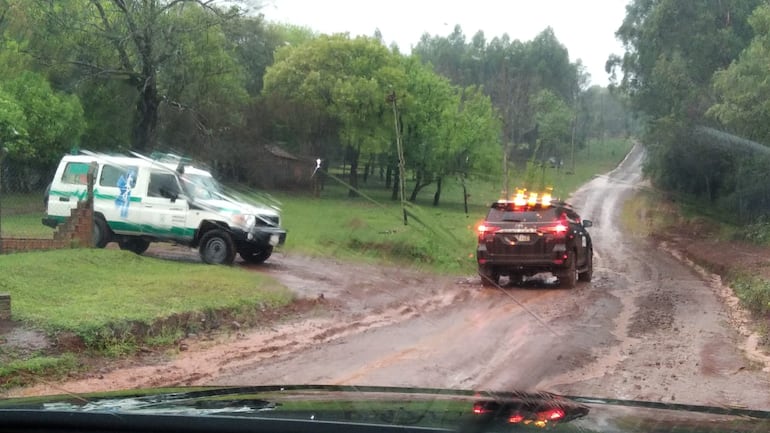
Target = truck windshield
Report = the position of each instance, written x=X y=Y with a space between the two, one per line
x=202 y=187
x=511 y=213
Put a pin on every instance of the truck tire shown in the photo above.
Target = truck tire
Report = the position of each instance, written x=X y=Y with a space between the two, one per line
x=489 y=277
x=217 y=248
x=134 y=244
x=256 y=255
x=568 y=277
x=101 y=232
x=588 y=273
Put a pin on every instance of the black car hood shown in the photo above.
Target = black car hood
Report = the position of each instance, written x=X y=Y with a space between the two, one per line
x=374 y=408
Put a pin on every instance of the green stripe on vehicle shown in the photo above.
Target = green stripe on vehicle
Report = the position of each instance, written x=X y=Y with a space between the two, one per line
x=175 y=232
x=81 y=195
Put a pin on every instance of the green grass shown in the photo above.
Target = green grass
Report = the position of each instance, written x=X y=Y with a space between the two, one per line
x=103 y=296
x=21 y=372
x=753 y=291
x=21 y=215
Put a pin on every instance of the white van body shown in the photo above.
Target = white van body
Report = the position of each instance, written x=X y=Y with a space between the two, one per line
x=138 y=200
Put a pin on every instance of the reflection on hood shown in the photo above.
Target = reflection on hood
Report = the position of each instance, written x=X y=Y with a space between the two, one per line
x=414 y=407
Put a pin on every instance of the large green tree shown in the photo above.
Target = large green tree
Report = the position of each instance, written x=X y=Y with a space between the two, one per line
x=512 y=73
x=347 y=79
x=672 y=50
x=743 y=90
x=136 y=42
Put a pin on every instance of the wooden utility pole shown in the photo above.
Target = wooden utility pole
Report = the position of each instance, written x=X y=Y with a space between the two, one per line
x=401 y=163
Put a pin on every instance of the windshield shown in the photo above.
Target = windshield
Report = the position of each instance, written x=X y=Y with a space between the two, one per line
x=513 y=213
x=541 y=195
x=201 y=187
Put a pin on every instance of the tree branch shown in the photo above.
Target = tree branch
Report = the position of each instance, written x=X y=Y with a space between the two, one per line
x=122 y=54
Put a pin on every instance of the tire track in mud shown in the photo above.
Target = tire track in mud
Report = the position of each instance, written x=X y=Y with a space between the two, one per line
x=673 y=340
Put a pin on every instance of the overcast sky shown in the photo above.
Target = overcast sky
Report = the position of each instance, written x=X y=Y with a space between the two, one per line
x=586 y=27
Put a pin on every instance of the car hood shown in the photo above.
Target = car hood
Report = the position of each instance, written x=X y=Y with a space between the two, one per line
x=379 y=407
x=235 y=207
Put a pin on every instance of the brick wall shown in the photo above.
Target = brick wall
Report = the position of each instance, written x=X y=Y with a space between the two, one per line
x=5 y=306
x=75 y=232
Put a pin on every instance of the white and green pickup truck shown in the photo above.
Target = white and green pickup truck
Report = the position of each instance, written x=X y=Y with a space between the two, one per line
x=138 y=200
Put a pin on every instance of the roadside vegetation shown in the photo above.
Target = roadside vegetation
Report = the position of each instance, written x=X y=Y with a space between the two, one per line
x=710 y=239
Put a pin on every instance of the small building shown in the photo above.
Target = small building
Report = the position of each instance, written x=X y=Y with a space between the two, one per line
x=272 y=167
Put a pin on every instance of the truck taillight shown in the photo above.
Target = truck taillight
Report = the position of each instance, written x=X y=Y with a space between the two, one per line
x=559 y=229
x=486 y=230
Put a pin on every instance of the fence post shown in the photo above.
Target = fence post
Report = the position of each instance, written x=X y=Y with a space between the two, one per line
x=89 y=208
x=3 y=153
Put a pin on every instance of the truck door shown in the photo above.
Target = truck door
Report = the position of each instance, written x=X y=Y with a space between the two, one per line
x=71 y=187
x=164 y=209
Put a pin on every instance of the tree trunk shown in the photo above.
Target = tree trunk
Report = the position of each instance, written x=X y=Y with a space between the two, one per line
x=147 y=110
x=419 y=179
x=354 y=153
x=465 y=196
x=437 y=195
x=367 y=168
x=394 y=195
x=388 y=176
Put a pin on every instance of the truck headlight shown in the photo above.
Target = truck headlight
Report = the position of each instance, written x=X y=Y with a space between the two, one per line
x=246 y=222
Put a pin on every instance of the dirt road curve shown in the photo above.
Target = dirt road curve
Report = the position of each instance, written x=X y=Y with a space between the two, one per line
x=647 y=327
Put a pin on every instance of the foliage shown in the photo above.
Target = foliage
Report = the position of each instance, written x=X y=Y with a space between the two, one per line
x=139 y=43
x=345 y=78
x=24 y=371
x=513 y=74
x=753 y=291
x=37 y=123
x=674 y=50
x=743 y=89
x=554 y=120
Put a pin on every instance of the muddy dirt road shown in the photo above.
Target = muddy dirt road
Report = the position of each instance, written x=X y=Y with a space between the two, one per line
x=647 y=327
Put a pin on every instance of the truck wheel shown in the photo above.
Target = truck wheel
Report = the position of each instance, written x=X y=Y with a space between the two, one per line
x=568 y=277
x=489 y=277
x=101 y=232
x=133 y=244
x=217 y=248
x=588 y=273
x=256 y=255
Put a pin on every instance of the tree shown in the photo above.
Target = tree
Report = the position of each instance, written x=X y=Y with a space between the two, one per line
x=673 y=49
x=128 y=40
x=347 y=79
x=554 y=120
x=742 y=89
x=36 y=123
x=510 y=72
x=424 y=109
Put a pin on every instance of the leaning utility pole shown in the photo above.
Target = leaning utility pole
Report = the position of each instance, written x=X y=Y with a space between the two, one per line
x=401 y=176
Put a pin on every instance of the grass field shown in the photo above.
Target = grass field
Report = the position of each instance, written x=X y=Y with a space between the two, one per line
x=100 y=294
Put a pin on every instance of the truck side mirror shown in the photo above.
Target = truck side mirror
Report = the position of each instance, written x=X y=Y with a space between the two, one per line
x=164 y=192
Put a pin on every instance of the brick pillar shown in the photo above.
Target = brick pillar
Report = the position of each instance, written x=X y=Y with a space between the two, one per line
x=87 y=213
x=5 y=306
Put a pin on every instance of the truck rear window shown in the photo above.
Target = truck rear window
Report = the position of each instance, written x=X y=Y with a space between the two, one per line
x=508 y=212
x=75 y=173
